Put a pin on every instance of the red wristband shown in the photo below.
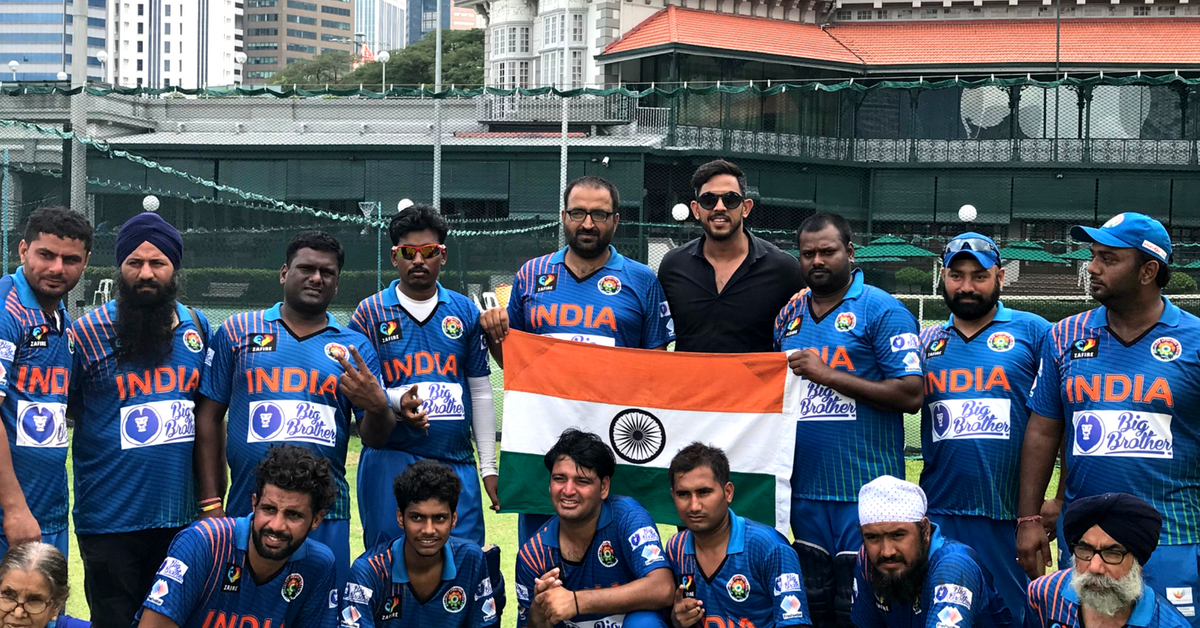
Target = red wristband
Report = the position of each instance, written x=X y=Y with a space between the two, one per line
x=1037 y=518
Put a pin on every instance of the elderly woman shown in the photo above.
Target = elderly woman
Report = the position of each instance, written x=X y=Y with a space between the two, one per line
x=33 y=588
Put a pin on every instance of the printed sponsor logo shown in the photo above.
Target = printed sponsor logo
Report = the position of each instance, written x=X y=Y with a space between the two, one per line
x=350 y=617
x=787 y=582
x=441 y=401
x=1114 y=221
x=489 y=609
x=642 y=535
x=357 y=594
x=158 y=592
x=39 y=336
x=41 y=424
x=1085 y=348
x=232 y=580
x=208 y=357
x=484 y=589
x=821 y=403
x=280 y=420
x=389 y=331
x=949 y=617
x=592 y=339
x=792 y=328
x=1123 y=434
x=173 y=568
x=158 y=423
x=791 y=607
x=545 y=283
x=905 y=342
x=260 y=343
x=664 y=309
x=1179 y=595
x=8 y=350
x=391 y=608
x=652 y=554
x=955 y=419
x=953 y=594
x=912 y=362
x=522 y=593
x=936 y=348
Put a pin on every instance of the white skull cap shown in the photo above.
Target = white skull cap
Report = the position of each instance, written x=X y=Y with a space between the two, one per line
x=890 y=499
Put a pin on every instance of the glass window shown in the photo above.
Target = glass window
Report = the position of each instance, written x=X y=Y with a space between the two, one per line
x=139 y=46
x=167 y=10
x=262 y=32
x=265 y=45
x=141 y=9
x=300 y=19
x=262 y=60
x=141 y=26
x=259 y=74
x=524 y=30
x=302 y=48
x=428 y=20
x=166 y=65
x=577 y=68
x=577 y=28
x=303 y=6
x=166 y=28
x=337 y=39
x=166 y=47
x=139 y=66
x=299 y=34
x=345 y=26
x=258 y=4
x=266 y=17
x=524 y=73
x=336 y=11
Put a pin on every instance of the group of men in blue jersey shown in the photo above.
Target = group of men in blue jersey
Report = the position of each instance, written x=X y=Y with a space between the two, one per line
x=150 y=386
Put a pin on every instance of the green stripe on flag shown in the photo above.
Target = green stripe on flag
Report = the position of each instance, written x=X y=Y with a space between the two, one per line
x=524 y=487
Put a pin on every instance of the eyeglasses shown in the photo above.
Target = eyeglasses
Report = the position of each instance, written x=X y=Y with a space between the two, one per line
x=598 y=215
x=731 y=200
x=970 y=244
x=33 y=607
x=1110 y=555
x=409 y=251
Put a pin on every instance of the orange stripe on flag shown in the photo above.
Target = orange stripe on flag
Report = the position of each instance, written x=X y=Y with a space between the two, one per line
x=700 y=382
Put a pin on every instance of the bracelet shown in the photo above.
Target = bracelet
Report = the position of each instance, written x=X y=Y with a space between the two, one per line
x=1037 y=518
x=210 y=500
x=210 y=507
x=576 y=596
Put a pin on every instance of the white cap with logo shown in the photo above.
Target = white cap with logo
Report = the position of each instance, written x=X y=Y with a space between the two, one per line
x=890 y=499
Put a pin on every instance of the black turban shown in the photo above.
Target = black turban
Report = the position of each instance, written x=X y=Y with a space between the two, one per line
x=1129 y=520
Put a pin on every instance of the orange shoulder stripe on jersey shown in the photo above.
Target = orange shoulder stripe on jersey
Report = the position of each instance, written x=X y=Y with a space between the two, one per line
x=1059 y=600
x=107 y=319
x=88 y=326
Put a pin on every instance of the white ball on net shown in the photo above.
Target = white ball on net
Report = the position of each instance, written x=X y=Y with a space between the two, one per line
x=680 y=212
x=967 y=213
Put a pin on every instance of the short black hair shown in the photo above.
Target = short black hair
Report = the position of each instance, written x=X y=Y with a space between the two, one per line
x=59 y=220
x=718 y=167
x=586 y=449
x=418 y=217
x=699 y=455
x=427 y=479
x=1163 y=276
x=317 y=241
x=599 y=183
x=296 y=468
x=820 y=220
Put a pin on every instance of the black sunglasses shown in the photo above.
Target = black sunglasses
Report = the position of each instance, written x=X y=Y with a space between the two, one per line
x=708 y=200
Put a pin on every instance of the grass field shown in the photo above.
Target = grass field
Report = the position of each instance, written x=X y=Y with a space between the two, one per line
x=501 y=530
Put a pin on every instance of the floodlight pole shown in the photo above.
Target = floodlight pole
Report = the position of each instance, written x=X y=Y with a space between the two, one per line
x=437 y=110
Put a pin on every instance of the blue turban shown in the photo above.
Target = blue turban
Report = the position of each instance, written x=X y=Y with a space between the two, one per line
x=1129 y=520
x=149 y=227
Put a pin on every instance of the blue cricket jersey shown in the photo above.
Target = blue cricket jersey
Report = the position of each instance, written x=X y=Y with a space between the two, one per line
x=624 y=548
x=758 y=585
x=378 y=594
x=975 y=411
x=841 y=445
x=133 y=438
x=282 y=389
x=438 y=355
x=621 y=305
x=1053 y=603
x=1130 y=412
x=35 y=364
x=206 y=582
x=958 y=592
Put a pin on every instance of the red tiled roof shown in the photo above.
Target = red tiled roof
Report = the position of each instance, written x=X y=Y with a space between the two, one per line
x=1107 y=41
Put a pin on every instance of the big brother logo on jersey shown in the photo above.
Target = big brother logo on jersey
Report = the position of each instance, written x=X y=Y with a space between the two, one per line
x=157 y=423
x=442 y=401
x=1123 y=433
x=970 y=418
x=41 y=424
x=279 y=420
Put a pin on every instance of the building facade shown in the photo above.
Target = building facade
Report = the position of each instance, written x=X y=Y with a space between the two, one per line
x=279 y=32
x=382 y=23
x=181 y=43
x=39 y=37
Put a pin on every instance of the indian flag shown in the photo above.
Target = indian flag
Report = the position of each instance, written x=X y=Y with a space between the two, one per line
x=647 y=405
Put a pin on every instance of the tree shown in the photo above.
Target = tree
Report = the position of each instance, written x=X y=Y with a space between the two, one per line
x=329 y=68
x=462 y=62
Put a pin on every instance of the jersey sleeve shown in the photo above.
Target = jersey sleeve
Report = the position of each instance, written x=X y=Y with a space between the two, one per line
x=895 y=342
x=477 y=353
x=516 y=303
x=319 y=608
x=781 y=567
x=657 y=328
x=364 y=596
x=178 y=588
x=525 y=577
x=863 y=613
x=781 y=321
x=216 y=378
x=357 y=321
x=482 y=609
x=11 y=336
x=641 y=547
x=1045 y=398
x=1035 y=602
x=957 y=592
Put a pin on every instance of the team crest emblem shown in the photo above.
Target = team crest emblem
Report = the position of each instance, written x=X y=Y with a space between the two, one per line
x=844 y=321
x=1001 y=341
x=39 y=336
x=389 y=331
x=793 y=328
x=609 y=285
x=1085 y=348
x=192 y=340
x=454 y=600
x=1166 y=349
x=391 y=609
x=71 y=342
x=262 y=342
x=292 y=586
x=453 y=327
x=546 y=283
x=738 y=588
x=1114 y=221
x=232 y=583
x=336 y=351
x=606 y=554
x=936 y=348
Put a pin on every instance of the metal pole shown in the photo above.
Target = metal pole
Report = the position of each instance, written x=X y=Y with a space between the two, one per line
x=562 y=149
x=437 y=109
x=4 y=218
x=379 y=244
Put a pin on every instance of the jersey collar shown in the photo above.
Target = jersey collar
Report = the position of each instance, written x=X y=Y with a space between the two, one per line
x=1169 y=316
x=275 y=315
x=391 y=298
x=400 y=570
x=936 y=540
x=25 y=292
x=241 y=538
x=737 y=537
x=1003 y=315
x=856 y=285
x=616 y=261
x=1143 y=609
x=601 y=523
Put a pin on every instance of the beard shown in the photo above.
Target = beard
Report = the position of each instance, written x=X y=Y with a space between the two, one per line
x=735 y=226
x=974 y=306
x=587 y=250
x=829 y=281
x=1107 y=595
x=905 y=588
x=145 y=325
x=275 y=554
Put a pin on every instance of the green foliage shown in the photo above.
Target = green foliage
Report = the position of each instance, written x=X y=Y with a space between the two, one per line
x=462 y=62
x=914 y=277
x=1180 y=283
x=328 y=68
